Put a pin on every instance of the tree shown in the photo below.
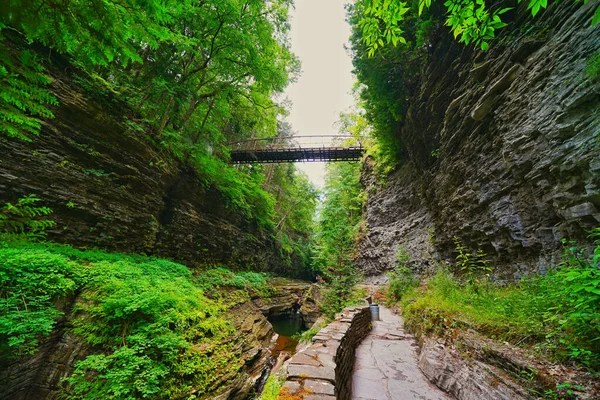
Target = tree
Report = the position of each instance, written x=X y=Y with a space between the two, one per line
x=339 y=217
x=471 y=21
x=195 y=74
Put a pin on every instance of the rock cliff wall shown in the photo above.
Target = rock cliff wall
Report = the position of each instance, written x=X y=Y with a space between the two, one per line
x=41 y=375
x=110 y=188
x=502 y=150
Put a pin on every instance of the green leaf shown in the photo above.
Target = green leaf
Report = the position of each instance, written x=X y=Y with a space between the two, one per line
x=596 y=17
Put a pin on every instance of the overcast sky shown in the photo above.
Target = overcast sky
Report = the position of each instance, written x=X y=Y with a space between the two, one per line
x=323 y=90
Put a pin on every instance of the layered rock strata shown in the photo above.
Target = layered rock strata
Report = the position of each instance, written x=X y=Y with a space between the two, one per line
x=110 y=187
x=501 y=150
x=473 y=367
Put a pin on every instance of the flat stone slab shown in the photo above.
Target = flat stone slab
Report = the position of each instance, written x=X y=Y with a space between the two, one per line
x=319 y=387
x=386 y=365
x=292 y=387
x=318 y=397
x=302 y=358
x=308 y=371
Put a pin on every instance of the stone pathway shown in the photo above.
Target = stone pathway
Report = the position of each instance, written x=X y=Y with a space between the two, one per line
x=386 y=365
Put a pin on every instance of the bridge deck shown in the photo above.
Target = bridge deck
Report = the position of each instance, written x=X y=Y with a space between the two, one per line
x=297 y=154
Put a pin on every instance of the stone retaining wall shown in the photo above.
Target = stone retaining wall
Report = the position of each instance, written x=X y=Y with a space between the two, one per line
x=323 y=371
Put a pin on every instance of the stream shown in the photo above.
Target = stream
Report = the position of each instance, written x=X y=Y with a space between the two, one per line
x=286 y=326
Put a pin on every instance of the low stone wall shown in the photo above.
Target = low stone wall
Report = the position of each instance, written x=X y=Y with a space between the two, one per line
x=323 y=371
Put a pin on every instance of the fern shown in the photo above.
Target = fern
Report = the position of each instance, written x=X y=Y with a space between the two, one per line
x=23 y=98
x=24 y=217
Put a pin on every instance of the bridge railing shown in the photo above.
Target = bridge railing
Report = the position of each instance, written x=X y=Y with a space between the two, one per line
x=296 y=149
x=292 y=142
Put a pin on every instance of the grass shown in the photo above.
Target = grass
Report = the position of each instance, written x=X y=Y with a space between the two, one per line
x=272 y=387
x=221 y=276
x=532 y=312
x=509 y=313
x=558 y=314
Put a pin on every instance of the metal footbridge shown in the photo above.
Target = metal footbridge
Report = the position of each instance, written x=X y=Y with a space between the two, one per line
x=296 y=149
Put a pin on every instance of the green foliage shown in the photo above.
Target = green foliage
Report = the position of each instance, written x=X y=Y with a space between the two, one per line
x=153 y=331
x=148 y=316
x=241 y=187
x=592 y=66
x=575 y=316
x=557 y=314
x=272 y=387
x=474 y=266
x=472 y=22
x=334 y=244
x=23 y=98
x=383 y=21
x=30 y=282
x=402 y=278
x=24 y=217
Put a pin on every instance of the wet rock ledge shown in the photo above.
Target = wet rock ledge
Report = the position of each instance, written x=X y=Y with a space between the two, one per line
x=324 y=370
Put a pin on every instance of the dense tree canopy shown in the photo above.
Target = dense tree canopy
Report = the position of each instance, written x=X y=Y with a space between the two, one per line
x=471 y=21
x=195 y=75
x=175 y=61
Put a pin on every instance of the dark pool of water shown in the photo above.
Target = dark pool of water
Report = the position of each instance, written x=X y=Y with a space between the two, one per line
x=286 y=326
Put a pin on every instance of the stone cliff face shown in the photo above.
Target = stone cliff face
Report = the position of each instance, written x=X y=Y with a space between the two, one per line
x=110 y=188
x=516 y=130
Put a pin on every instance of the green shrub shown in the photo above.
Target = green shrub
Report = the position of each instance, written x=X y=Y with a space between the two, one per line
x=559 y=314
x=401 y=278
x=575 y=314
x=474 y=266
x=30 y=282
x=148 y=317
x=151 y=328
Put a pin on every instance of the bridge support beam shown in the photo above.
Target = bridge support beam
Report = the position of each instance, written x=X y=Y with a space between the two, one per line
x=297 y=155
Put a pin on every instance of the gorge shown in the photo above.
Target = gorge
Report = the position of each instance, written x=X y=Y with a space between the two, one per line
x=136 y=261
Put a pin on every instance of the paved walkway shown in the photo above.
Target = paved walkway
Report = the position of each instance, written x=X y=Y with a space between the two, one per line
x=386 y=365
